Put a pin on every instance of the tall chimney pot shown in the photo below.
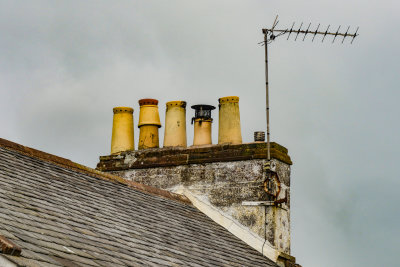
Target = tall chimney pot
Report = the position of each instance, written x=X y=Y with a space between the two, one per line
x=122 y=132
x=175 y=124
x=229 y=121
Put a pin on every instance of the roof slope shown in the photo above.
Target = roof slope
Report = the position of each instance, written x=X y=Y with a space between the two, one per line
x=61 y=216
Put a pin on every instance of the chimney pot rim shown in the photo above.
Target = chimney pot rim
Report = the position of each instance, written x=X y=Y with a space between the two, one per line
x=232 y=99
x=123 y=110
x=148 y=101
x=179 y=103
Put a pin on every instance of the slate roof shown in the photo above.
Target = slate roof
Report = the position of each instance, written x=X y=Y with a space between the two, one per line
x=63 y=214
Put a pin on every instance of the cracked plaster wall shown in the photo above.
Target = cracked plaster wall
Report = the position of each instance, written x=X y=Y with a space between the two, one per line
x=225 y=185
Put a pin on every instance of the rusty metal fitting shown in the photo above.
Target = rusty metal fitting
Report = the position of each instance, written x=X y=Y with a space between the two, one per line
x=267 y=166
x=272 y=184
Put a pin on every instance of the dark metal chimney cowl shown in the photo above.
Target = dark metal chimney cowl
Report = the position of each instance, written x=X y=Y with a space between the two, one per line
x=202 y=112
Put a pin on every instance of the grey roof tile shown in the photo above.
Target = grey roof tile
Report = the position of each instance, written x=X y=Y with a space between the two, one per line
x=63 y=217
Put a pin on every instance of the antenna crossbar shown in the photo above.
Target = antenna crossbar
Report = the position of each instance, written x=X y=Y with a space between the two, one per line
x=267 y=31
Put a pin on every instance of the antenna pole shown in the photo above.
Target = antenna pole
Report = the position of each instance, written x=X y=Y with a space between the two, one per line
x=267 y=101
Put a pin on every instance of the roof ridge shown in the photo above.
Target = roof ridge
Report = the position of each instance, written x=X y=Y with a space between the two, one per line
x=9 y=145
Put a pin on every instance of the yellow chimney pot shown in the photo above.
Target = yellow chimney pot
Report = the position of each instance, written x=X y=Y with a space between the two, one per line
x=202 y=132
x=122 y=132
x=149 y=122
x=229 y=131
x=175 y=124
x=149 y=112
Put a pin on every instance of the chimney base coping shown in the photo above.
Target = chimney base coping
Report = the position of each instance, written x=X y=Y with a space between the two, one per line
x=175 y=156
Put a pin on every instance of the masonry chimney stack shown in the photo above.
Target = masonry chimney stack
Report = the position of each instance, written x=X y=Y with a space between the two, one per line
x=229 y=131
x=149 y=122
x=175 y=124
x=202 y=124
x=122 y=132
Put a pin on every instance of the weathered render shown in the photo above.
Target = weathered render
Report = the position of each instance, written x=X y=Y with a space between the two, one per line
x=223 y=176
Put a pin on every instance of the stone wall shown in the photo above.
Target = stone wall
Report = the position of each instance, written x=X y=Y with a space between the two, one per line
x=222 y=175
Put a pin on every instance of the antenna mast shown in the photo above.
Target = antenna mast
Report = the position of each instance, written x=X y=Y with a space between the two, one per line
x=272 y=183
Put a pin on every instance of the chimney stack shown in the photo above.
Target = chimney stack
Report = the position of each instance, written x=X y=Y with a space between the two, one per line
x=175 y=124
x=122 y=132
x=149 y=122
x=202 y=124
x=229 y=121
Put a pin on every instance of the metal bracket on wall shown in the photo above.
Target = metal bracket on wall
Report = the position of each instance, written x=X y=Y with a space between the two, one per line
x=263 y=203
x=258 y=203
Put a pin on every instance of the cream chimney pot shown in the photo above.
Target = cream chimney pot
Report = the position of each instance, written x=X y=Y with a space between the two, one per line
x=229 y=131
x=175 y=124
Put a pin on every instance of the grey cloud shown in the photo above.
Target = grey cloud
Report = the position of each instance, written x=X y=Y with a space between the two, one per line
x=65 y=64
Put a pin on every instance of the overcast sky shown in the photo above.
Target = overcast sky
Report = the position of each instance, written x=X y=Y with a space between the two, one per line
x=65 y=64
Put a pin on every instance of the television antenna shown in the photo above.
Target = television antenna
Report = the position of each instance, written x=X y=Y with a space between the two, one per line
x=271 y=182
